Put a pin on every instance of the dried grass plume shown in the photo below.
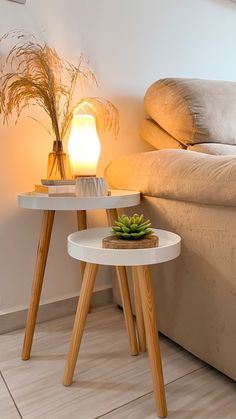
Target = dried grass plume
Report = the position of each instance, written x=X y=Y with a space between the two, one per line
x=33 y=73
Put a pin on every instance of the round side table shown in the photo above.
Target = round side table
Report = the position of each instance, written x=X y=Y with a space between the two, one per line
x=86 y=245
x=51 y=204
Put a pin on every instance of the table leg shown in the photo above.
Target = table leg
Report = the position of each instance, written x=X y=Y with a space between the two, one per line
x=150 y=322
x=125 y=296
x=139 y=312
x=43 y=246
x=79 y=323
x=82 y=225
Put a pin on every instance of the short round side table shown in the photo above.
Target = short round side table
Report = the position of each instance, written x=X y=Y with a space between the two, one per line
x=50 y=204
x=86 y=246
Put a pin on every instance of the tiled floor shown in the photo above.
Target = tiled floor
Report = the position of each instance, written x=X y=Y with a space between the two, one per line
x=108 y=383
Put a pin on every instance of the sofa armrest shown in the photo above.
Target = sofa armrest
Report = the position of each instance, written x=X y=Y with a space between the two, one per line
x=178 y=175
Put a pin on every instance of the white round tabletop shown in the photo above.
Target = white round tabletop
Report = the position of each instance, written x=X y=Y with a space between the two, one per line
x=116 y=199
x=86 y=245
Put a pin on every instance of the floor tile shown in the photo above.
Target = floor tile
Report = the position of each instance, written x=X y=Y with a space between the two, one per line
x=203 y=394
x=106 y=376
x=7 y=407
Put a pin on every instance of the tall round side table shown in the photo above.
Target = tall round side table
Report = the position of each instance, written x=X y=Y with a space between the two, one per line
x=51 y=204
x=87 y=246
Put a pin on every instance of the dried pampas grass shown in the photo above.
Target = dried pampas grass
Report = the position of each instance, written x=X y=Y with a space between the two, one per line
x=34 y=74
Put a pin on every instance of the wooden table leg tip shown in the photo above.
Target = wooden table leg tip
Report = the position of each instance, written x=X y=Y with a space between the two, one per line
x=162 y=414
x=67 y=383
x=25 y=357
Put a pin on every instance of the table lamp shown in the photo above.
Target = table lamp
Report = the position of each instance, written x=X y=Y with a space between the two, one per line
x=84 y=149
x=84 y=145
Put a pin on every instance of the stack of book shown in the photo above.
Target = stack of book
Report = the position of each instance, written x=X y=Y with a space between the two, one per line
x=56 y=188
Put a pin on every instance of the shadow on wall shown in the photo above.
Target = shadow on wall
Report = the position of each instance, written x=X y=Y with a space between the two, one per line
x=226 y=3
x=129 y=141
x=18 y=248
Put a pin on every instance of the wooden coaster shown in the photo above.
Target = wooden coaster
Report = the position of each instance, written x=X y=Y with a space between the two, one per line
x=112 y=242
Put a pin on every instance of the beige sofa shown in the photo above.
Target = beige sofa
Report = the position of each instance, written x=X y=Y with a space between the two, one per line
x=194 y=195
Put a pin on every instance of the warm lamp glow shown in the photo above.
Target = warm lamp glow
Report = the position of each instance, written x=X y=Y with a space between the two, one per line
x=84 y=145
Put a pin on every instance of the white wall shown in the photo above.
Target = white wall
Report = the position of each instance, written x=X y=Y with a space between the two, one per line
x=130 y=44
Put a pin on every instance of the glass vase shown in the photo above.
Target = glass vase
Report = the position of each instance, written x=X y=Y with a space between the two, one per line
x=59 y=164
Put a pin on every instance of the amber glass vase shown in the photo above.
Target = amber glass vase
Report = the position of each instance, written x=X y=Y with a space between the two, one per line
x=59 y=164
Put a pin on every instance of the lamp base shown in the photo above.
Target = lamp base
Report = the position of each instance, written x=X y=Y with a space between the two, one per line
x=91 y=186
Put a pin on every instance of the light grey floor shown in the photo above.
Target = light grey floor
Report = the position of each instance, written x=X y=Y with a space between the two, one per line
x=108 y=383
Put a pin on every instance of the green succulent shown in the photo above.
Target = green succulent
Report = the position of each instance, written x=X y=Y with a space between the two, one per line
x=131 y=228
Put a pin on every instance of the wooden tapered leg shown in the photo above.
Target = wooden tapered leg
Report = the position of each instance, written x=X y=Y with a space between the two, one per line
x=139 y=312
x=125 y=296
x=82 y=225
x=79 y=323
x=43 y=246
x=150 y=322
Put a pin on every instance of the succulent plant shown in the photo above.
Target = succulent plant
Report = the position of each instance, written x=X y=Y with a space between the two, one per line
x=131 y=228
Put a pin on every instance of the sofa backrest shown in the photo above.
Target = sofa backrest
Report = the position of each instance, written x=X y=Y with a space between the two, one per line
x=194 y=111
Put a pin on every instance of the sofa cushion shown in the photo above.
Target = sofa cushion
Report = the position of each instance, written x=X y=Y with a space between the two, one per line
x=177 y=174
x=151 y=132
x=194 y=111
x=213 y=148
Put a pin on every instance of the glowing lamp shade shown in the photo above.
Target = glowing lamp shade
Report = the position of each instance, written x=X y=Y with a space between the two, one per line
x=84 y=145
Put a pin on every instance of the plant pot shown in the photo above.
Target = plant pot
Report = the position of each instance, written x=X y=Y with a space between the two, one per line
x=59 y=164
x=112 y=242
